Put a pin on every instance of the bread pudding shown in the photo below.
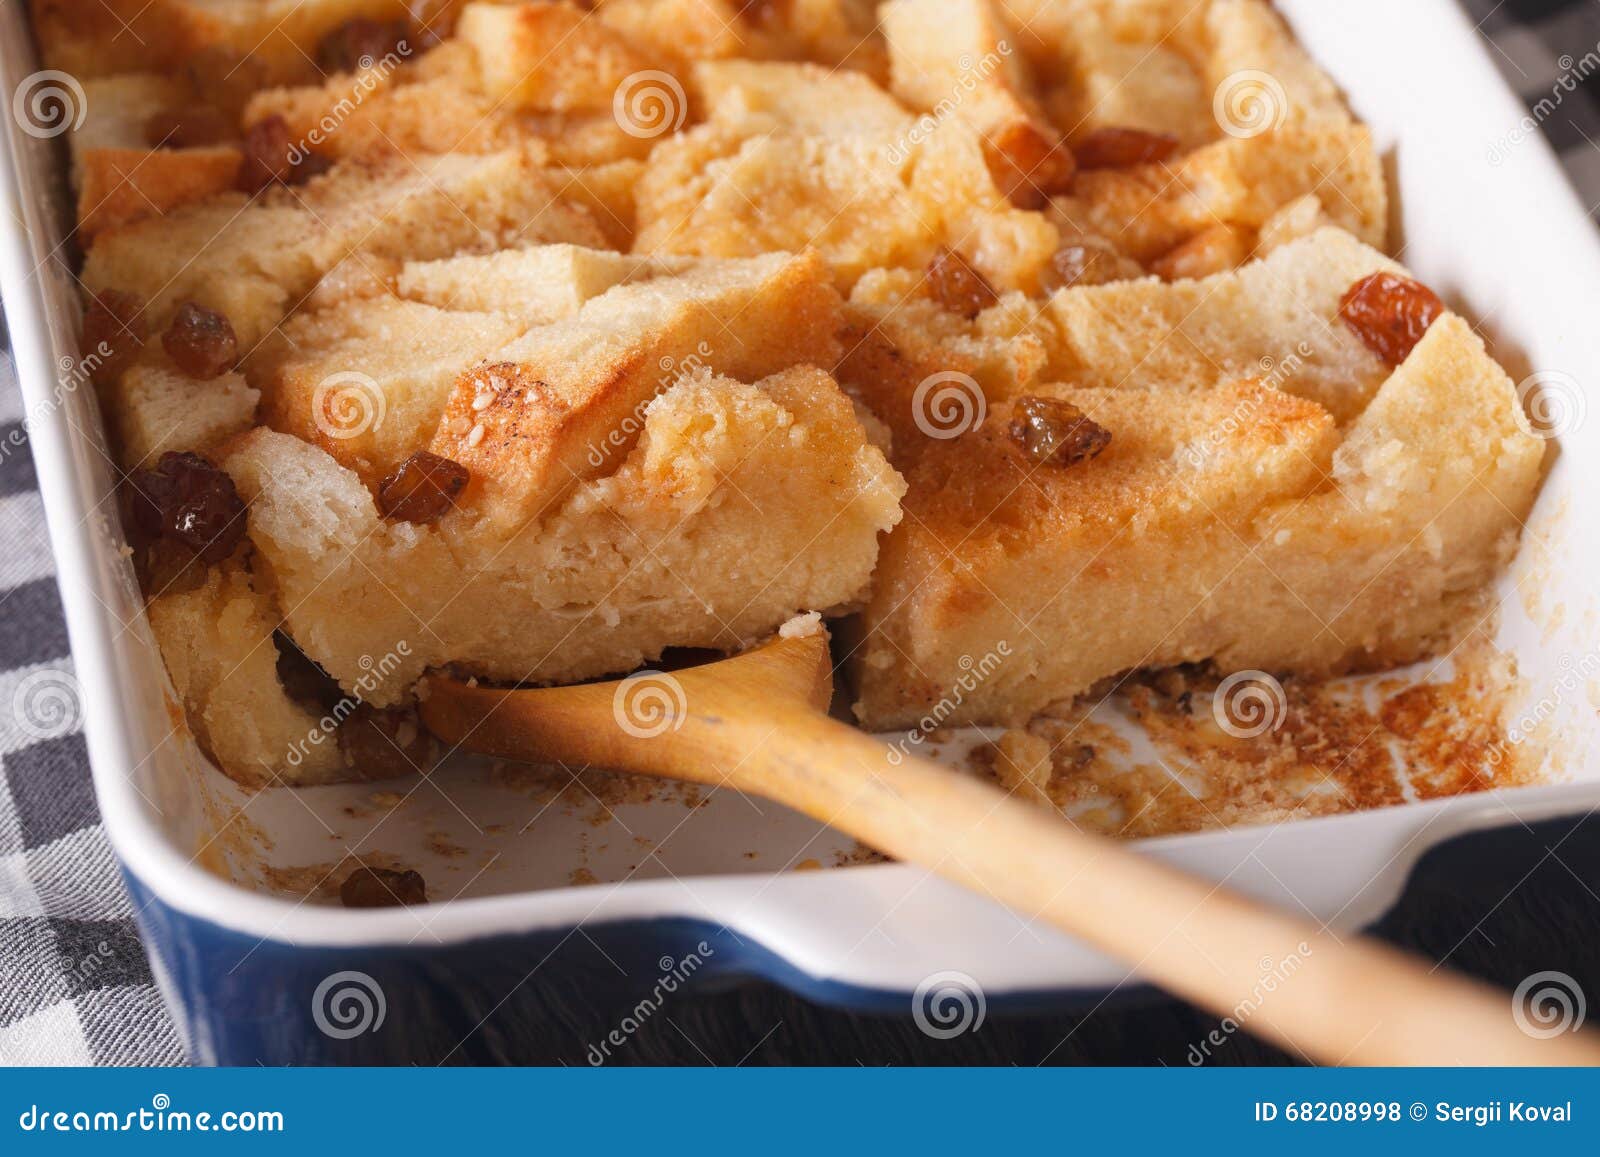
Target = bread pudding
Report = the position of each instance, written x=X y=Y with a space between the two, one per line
x=535 y=339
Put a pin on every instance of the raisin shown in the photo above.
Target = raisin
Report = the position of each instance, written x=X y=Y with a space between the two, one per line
x=1052 y=432
x=384 y=743
x=187 y=128
x=113 y=332
x=1390 y=313
x=303 y=679
x=361 y=43
x=382 y=888
x=186 y=500
x=423 y=488
x=1114 y=148
x=1090 y=263
x=200 y=341
x=1029 y=165
x=272 y=155
x=957 y=286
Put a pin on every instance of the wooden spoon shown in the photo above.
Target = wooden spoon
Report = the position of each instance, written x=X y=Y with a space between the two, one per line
x=757 y=722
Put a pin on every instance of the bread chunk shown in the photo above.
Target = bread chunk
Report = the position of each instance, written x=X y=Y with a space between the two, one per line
x=1233 y=524
x=562 y=404
x=256 y=260
x=1151 y=209
x=553 y=56
x=367 y=376
x=794 y=157
x=537 y=284
x=217 y=642
x=1274 y=318
x=157 y=409
x=739 y=506
x=118 y=175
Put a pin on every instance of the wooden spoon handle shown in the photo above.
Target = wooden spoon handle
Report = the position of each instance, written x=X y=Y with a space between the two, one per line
x=1347 y=1000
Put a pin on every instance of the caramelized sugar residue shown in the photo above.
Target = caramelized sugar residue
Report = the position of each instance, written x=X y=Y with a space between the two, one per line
x=592 y=791
x=1332 y=749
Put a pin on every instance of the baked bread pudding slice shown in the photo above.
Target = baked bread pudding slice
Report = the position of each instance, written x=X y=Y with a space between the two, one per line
x=621 y=490
x=1171 y=499
x=738 y=507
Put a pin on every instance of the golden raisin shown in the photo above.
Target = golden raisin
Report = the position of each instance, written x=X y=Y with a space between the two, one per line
x=1086 y=262
x=113 y=332
x=1114 y=148
x=200 y=341
x=184 y=499
x=1390 y=313
x=1052 y=432
x=382 y=888
x=384 y=743
x=361 y=43
x=197 y=127
x=957 y=286
x=423 y=488
x=1028 y=165
x=272 y=155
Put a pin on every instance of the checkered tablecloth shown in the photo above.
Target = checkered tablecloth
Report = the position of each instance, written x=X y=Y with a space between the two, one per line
x=75 y=987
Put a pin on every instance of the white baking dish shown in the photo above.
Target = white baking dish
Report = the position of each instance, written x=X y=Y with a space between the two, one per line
x=1484 y=215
